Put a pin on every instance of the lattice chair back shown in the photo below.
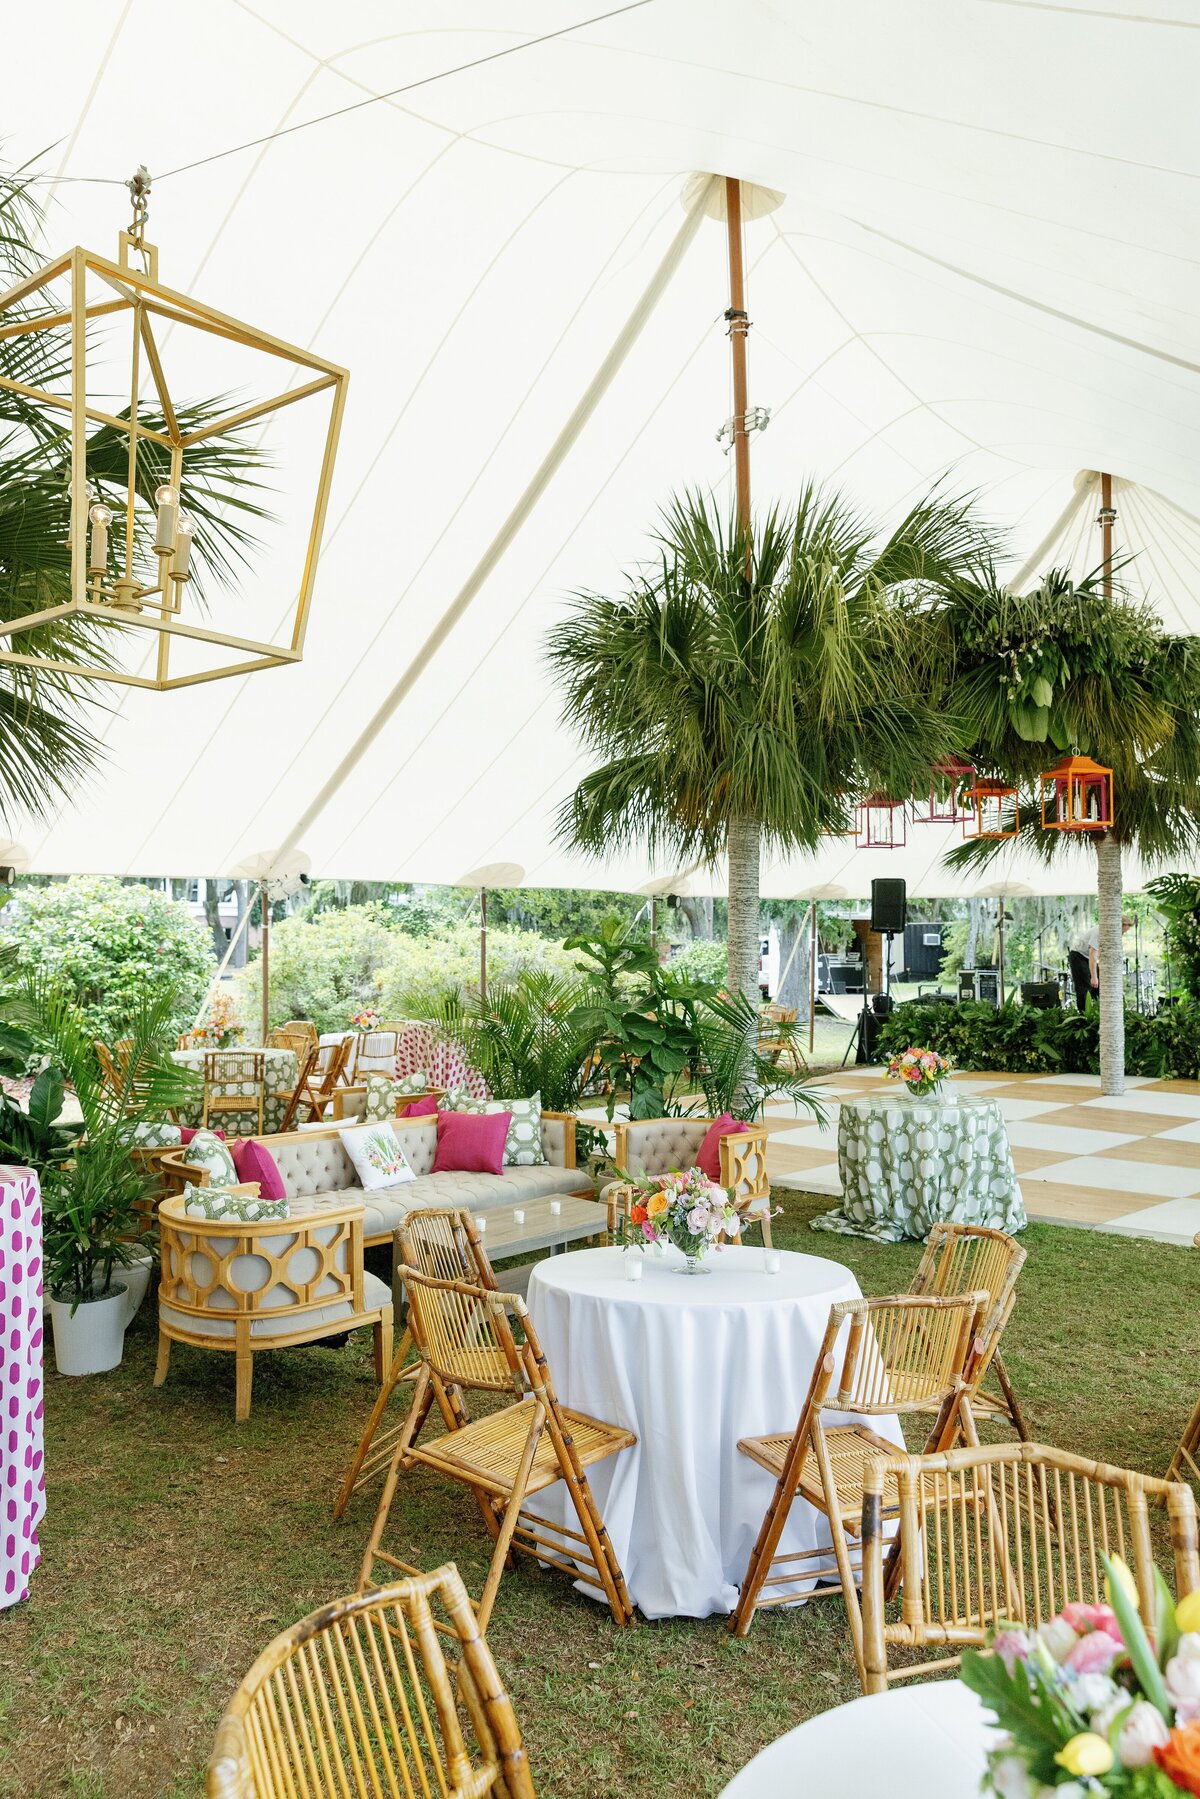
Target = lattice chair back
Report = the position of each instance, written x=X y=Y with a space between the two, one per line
x=1010 y=1532
x=464 y=1337
x=358 y=1698
x=901 y=1354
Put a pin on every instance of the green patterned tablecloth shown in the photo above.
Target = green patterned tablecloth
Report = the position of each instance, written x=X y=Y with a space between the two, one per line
x=908 y=1164
x=280 y=1070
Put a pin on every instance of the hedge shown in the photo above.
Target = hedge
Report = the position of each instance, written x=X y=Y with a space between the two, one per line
x=1016 y=1039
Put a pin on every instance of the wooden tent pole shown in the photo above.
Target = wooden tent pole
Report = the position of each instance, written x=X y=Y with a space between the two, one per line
x=483 y=944
x=739 y=326
x=1108 y=519
x=265 y=907
x=812 y=977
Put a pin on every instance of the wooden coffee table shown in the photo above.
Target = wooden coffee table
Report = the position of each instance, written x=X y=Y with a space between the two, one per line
x=541 y=1229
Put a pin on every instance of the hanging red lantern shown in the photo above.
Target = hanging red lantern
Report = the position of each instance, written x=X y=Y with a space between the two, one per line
x=879 y=823
x=995 y=810
x=1077 y=795
x=949 y=801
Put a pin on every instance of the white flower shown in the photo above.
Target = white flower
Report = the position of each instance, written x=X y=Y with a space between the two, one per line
x=1090 y=1692
x=1182 y=1676
x=1188 y=1647
x=1142 y=1732
x=1010 y=1778
x=1057 y=1638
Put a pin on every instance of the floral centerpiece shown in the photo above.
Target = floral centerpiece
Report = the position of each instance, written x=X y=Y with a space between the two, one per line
x=1096 y=1702
x=366 y=1020
x=222 y=1029
x=683 y=1208
x=922 y=1071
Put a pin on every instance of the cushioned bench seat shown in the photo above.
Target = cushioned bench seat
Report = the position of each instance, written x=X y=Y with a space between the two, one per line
x=317 y=1174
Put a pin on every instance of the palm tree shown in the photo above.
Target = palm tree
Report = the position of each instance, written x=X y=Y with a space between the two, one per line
x=46 y=745
x=1074 y=666
x=739 y=692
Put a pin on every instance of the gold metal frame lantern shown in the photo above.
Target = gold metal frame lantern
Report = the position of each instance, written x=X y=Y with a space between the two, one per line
x=138 y=597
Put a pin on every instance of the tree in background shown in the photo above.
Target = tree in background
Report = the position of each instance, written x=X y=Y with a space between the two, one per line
x=118 y=948
x=729 y=712
x=1071 y=666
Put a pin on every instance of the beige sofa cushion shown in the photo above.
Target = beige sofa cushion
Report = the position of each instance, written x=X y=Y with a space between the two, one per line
x=282 y=1319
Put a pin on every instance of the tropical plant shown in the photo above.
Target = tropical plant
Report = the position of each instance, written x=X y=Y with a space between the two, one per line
x=91 y=1183
x=46 y=744
x=745 y=685
x=1078 y=666
x=116 y=948
x=322 y=967
x=1178 y=898
x=1017 y=1039
x=532 y=1034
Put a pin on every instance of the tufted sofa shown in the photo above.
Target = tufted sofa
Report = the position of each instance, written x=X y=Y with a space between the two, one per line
x=318 y=1174
x=656 y=1146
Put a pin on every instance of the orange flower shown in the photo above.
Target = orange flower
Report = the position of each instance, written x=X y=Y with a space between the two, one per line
x=1179 y=1757
x=637 y=1214
x=657 y=1202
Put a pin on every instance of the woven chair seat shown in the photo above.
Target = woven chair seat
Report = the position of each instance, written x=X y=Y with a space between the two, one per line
x=487 y=1452
x=850 y=1447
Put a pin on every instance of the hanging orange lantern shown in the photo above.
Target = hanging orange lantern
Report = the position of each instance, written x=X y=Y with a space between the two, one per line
x=949 y=801
x=1077 y=795
x=996 y=810
x=879 y=823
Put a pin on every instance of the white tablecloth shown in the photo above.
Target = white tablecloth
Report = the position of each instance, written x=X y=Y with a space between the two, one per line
x=691 y=1363
x=912 y=1742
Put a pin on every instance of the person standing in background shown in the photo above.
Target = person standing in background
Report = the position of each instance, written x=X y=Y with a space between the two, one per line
x=1083 y=958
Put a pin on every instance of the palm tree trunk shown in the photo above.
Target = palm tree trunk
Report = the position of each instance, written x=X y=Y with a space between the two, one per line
x=743 y=846
x=1112 y=965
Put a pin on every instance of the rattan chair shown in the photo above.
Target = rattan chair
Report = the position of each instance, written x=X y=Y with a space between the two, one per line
x=505 y=1457
x=285 y=1037
x=979 y=1545
x=302 y=1027
x=962 y=1258
x=315 y=1092
x=234 y=1081
x=294 y=1097
x=902 y=1356
x=444 y=1243
x=357 y=1700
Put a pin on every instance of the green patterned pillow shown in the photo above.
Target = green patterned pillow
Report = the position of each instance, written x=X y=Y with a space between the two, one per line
x=218 y=1202
x=207 y=1151
x=156 y=1136
x=383 y=1091
x=416 y=1082
x=523 y=1145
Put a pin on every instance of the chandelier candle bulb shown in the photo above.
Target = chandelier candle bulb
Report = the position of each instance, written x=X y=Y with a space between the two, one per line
x=167 y=501
x=101 y=518
x=181 y=561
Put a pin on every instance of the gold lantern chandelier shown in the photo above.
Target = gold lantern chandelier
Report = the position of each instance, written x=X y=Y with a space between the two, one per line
x=129 y=583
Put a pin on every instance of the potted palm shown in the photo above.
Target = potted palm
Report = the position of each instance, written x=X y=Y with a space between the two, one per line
x=92 y=1181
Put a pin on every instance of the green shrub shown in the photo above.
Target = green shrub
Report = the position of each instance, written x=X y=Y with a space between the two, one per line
x=323 y=967
x=118 y=949
x=1015 y=1039
x=703 y=959
x=417 y=968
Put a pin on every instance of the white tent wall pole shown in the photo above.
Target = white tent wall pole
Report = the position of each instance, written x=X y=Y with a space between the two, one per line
x=222 y=965
x=547 y=468
x=1033 y=564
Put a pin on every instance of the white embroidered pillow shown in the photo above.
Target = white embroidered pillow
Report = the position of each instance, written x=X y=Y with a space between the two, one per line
x=378 y=1158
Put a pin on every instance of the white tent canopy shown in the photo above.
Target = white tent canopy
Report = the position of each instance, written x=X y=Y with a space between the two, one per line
x=983 y=263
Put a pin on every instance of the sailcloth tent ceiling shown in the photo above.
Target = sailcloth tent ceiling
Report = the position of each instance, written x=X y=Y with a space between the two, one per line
x=982 y=263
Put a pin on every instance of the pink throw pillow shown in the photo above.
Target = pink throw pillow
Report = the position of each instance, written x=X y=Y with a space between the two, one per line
x=471 y=1142
x=188 y=1131
x=708 y=1156
x=421 y=1108
x=254 y=1163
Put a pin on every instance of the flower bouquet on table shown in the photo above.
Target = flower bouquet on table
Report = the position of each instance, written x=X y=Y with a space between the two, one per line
x=921 y=1071
x=365 y=1021
x=222 y=1029
x=684 y=1208
x=1097 y=1701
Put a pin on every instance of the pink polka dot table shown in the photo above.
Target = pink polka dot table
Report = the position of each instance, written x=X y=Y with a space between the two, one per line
x=22 y=1473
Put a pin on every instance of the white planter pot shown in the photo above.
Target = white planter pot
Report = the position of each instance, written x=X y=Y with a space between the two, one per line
x=94 y=1339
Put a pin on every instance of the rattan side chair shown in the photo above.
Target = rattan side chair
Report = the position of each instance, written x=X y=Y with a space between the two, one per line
x=234 y=1082
x=322 y=1082
x=1009 y=1532
x=962 y=1258
x=902 y=1356
x=464 y=1338
x=358 y=1699
x=294 y=1097
x=442 y=1242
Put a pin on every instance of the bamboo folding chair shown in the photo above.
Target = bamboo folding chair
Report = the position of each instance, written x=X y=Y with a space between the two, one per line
x=902 y=1355
x=358 y=1699
x=1185 y=1464
x=372 y=1047
x=302 y=1027
x=1005 y=1534
x=962 y=1258
x=444 y=1243
x=306 y=1062
x=505 y=1457
x=234 y=1081
x=317 y=1088
x=286 y=1037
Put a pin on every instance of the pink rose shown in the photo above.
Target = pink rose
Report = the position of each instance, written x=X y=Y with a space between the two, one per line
x=1094 y=1653
x=1083 y=1617
x=1012 y=1646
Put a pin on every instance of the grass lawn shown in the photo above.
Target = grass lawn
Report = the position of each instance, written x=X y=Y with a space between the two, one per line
x=177 y=1544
